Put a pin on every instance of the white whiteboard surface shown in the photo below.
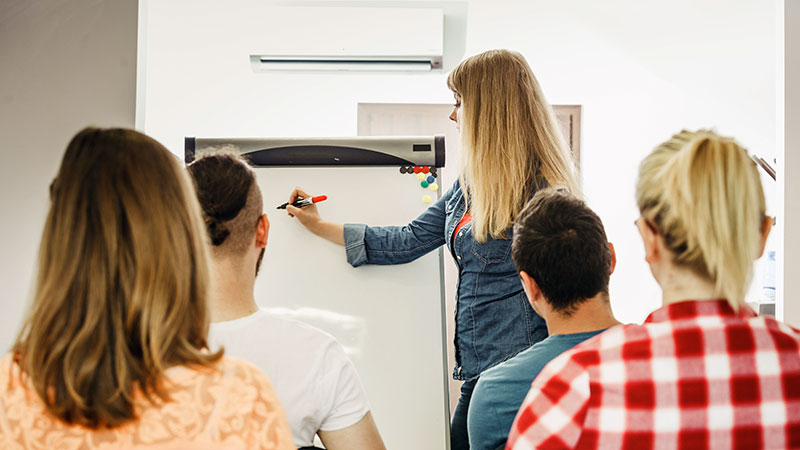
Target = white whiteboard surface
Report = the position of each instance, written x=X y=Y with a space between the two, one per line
x=389 y=318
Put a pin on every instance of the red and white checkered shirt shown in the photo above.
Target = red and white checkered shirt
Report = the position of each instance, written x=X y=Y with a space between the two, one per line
x=696 y=374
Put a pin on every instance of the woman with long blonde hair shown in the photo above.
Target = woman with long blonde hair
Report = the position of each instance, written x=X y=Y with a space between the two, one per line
x=703 y=371
x=511 y=146
x=113 y=352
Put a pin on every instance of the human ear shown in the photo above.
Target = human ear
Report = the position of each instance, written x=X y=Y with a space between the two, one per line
x=649 y=239
x=613 y=257
x=262 y=231
x=531 y=289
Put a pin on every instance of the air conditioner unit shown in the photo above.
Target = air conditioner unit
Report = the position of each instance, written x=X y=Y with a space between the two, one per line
x=350 y=39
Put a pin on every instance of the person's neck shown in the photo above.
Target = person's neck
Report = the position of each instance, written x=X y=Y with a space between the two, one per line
x=680 y=284
x=592 y=314
x=232 y=292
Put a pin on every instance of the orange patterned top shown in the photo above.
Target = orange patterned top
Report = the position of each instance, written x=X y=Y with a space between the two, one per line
x=233 y=407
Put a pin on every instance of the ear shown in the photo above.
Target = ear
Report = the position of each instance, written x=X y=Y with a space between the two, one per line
x=262 y=231
x=766 y=227
x=613 y=257
x=532 y=290
x=649 y=239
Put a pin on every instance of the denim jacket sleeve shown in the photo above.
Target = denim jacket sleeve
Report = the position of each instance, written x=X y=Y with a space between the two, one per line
x=397 y=245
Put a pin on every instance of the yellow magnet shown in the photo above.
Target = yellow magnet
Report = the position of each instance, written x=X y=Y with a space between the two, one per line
x=421 y=176
x=426 y=199
x=433 y=187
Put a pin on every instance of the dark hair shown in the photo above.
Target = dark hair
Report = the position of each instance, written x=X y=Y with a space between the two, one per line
x=229 y=197
x=560 y=242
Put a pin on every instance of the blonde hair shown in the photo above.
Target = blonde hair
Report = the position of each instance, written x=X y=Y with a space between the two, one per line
x=510 y=140
x=703 y=194
x=122 y=286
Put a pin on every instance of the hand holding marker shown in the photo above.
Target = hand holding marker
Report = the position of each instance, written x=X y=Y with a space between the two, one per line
x=309 y=216
x=304 y=202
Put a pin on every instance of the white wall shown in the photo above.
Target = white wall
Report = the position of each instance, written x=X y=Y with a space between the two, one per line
x=642 y=70
x=789 y=132
x=63 y=65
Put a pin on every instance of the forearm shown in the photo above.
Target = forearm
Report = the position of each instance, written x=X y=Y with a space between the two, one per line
x=331 y=231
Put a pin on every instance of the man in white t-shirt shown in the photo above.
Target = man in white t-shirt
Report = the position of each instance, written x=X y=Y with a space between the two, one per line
x=316 y=382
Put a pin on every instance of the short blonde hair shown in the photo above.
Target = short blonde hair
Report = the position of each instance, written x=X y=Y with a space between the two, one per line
x=123 y=278
x=703 y=194
x=510 y=141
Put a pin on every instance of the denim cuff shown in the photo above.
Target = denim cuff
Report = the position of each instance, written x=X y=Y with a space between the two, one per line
x=354 y=245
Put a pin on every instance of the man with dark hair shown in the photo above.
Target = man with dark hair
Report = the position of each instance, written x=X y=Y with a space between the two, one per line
x=313 y=377
x=564 y=261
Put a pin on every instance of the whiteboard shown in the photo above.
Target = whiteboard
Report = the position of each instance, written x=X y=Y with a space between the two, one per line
x=389 y=318
x=195 y=80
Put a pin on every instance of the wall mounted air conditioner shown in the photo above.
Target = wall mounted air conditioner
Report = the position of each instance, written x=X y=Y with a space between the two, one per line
x=350 y=39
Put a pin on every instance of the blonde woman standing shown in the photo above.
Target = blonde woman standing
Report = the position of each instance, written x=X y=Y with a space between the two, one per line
x=113 y=353
x=511 y=146
x=703 y=371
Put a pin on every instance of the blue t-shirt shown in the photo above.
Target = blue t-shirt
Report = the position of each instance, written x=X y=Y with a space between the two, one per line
x=501 y=389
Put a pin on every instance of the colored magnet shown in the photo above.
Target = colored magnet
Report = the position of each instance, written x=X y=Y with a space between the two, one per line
x=417 y=169
x=426 y=198
x=433 y=171
x=434 y=186
x=424 y=184
x=420 y=176
x=426 y=169
x=431 y=179
x=403 y=170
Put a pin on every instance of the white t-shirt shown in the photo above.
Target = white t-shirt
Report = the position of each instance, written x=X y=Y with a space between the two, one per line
x=314 y=379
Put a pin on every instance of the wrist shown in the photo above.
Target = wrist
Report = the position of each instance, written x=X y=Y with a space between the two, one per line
x=316 y=225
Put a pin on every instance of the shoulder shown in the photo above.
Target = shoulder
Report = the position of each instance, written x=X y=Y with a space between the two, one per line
x=521 y=362
x=504 y=379
x=590 y=353
x=321 y=352
x=299 y=327
x=7 y=366
x=773 y=324
x=273 y=327
x=300 y=335
x=784 y=337
x=515 y=374
x=13 y=388
x=247 y=406
x=455 y=190
x=225 y=379
x=233 y=371
x=243 y=389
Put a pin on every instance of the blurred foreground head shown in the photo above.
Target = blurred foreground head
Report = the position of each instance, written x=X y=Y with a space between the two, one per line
x=122 y=287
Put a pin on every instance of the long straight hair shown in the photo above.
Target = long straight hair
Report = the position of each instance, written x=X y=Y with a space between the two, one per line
x=510 y=140
x=122 y=286
x=703 y=194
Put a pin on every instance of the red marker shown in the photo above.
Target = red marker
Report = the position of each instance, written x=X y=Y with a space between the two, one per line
x=305 y=202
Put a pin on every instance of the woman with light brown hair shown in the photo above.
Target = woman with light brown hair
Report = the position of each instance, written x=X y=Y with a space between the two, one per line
x=511 y=146
x=113 y=352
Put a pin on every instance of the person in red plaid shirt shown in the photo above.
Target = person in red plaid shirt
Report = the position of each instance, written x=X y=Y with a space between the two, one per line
x=703 y=371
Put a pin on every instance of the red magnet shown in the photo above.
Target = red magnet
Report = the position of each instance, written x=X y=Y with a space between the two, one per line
x=426 y=169
x=417 y=169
